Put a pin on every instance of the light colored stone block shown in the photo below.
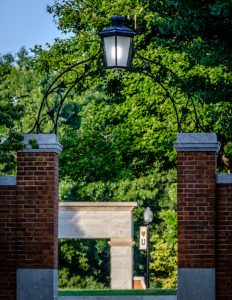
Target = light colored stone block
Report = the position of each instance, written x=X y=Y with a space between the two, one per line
x=196 y=284
x=7 y=180
x=120 y=284
x=120 y=251
x=121 y=264
x=109 y=220
x=37 y=284
x=88 y=220
x=224 y=178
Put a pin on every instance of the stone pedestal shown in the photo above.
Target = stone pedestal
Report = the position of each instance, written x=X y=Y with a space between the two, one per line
x=121 y=261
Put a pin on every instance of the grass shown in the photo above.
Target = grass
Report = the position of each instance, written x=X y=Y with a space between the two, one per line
x=149 y=292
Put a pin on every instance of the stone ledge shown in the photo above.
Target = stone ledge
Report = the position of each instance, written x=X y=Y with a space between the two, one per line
x=197 y=142
x=110 y=206
x=8 y=180
x=224 y=178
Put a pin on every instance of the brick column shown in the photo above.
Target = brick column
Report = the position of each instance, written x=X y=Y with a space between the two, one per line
x=224 y=237
x=196 y=188
x=7 y=238
x=37 y=215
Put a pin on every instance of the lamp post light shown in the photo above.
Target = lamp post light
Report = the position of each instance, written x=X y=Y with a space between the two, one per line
x=118 y=46
x=148 y=217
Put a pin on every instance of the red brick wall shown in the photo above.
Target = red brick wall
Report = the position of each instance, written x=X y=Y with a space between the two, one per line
x=37 y=182
x=224 y=242
x=196 y=209
x=7 y=242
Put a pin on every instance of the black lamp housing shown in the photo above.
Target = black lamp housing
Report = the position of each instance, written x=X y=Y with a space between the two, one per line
x=117 y=44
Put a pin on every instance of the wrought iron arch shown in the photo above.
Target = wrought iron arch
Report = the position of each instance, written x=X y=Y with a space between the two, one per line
x=48 y=114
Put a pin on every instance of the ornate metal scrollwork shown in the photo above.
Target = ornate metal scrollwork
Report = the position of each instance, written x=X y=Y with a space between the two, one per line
x=60 y=88
x=58 y=91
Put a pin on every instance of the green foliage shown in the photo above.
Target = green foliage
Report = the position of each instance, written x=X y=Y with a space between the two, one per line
x=164 y=251
x=10 y=112
x=84 y=264
x=33 y=143
x=20 y=95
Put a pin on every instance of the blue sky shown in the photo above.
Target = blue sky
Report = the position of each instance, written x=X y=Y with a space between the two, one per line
x=25 y=23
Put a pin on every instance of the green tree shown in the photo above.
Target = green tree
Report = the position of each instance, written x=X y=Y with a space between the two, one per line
x=21 y=90
x=10 y=112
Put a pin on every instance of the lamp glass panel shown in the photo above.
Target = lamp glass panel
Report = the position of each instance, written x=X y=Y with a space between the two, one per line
x=123 y=47
x=148 y=215
x=110 y=51
x=117 y=50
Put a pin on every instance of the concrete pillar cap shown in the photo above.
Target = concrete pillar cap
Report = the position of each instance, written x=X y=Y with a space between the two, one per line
x=205 y=142
x=44 y=143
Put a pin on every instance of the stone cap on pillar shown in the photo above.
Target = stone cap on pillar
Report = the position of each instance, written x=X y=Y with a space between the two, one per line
x=43 y=143
x=121 y=242
x=206 y=142
x=7 y=180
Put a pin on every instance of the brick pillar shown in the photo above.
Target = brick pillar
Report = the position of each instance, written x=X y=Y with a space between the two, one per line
x=224 y=237
x=37 y=215
x=7 y=238
x=196 y=188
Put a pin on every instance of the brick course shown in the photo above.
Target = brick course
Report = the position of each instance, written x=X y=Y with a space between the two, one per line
x=8 y=225
x=37 y=209
x=196 y=209
x=224 y=242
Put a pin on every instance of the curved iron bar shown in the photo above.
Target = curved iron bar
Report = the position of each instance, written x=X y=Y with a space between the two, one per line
x=62 y=90
x=155 y=79
x=183 y=88
x=82 y=77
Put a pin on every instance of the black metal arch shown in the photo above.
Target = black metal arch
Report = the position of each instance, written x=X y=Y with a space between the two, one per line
x=61 y=86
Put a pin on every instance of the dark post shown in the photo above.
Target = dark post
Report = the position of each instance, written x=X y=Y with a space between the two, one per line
x=148 y=258
x=148 y=216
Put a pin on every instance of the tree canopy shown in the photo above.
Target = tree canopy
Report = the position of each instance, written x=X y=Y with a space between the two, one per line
x=118 y=128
